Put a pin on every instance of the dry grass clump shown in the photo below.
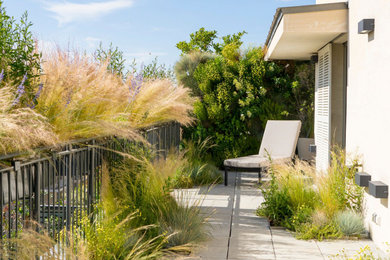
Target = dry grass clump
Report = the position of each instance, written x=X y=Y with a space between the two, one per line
x=39 y=245
x=82 y=99
x=315 y=204
x=160 y=101
x=21 y=128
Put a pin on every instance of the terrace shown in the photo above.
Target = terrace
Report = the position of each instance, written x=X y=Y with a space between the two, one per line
x=103 y=161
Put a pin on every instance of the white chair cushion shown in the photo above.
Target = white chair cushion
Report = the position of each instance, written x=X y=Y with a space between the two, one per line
x=280 y=138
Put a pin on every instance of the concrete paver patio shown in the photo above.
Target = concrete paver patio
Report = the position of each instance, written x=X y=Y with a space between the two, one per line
x=239 y=234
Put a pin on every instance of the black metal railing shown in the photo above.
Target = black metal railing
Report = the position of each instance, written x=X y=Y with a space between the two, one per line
x=59 y=188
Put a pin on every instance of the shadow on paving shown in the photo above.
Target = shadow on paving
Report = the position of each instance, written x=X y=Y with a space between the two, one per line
x=239 y=234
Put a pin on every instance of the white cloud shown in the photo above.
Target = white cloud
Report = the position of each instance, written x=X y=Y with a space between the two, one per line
x=66 y=12
x=92 y=42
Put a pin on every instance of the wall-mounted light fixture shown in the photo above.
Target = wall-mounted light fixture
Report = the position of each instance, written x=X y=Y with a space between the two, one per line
x=312 y=148
x=366 y=26
x=378 y=189
x=362 y=179
x=314 y=58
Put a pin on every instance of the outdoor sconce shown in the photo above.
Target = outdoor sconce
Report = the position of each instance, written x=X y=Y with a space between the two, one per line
x=378 y=189
x=366 y=26
x=314 y=58
x=362 y=179
x=312 y=148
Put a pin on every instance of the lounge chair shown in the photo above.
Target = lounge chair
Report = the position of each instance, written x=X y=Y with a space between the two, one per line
x=279 y=143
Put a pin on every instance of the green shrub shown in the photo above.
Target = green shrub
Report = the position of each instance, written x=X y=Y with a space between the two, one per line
x=350 y=223
x=277 y=204
x=185 y=68
x=313 y=231
x=19 y=59
x=300 y=216
x=116 y=232
x=193 y=166
x=116 y=238
x=239 y=92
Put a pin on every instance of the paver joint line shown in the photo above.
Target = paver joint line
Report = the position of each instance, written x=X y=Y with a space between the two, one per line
x=272 y=241
x=323 y=256
x=231 y=216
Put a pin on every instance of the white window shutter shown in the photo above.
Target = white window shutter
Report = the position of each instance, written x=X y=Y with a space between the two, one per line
x=322 y=108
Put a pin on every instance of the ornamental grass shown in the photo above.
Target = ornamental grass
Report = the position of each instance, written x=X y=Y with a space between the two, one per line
x=22 y=128
x=160 y=101
x=82 y=99
x=310 y=202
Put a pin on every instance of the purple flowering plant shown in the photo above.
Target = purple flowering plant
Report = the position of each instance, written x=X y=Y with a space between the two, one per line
x=135 y=85
x=1 y=75
x=35 y=99
x=20 y=91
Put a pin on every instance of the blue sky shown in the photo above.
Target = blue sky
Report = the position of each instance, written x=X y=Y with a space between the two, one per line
x=143 y=29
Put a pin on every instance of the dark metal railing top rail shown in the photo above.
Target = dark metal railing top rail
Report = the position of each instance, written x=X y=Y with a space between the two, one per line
x=57 y=189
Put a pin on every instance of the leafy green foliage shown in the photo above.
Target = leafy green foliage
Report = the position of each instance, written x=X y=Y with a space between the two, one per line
x=238 y=92
x=201 y=40
x=153 y=70
x=113 y=57
x=116 y=64
x=232 y=101
x=18 y=56
x=277 y=204
x=312 y=231
x=185 y=69
x=204 y=41
x=116 y=233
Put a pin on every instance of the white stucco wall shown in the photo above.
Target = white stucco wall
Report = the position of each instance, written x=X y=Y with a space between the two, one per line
x=368 y=104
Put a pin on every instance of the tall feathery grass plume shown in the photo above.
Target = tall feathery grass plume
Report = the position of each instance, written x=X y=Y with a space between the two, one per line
x=82 y=98
x=159 y=101
x=22 y=128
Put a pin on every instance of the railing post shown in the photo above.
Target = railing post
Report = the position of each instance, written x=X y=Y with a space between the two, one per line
x=16 y=165
x=37 y=191
x=91 y=179
x=68 y=195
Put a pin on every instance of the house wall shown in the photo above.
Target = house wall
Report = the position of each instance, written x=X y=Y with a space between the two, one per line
x=368 y=104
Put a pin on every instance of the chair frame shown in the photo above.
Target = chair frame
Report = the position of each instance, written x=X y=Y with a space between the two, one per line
x=259 y=170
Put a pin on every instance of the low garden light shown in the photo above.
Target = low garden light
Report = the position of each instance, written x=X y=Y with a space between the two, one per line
x=378 y=189
x=366 y=26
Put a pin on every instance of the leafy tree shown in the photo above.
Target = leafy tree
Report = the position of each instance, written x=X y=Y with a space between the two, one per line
x=116 y=63
x=204 y=41
x=114 y=58
x=153 y=70
x=201 y=40
x=19 y=59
